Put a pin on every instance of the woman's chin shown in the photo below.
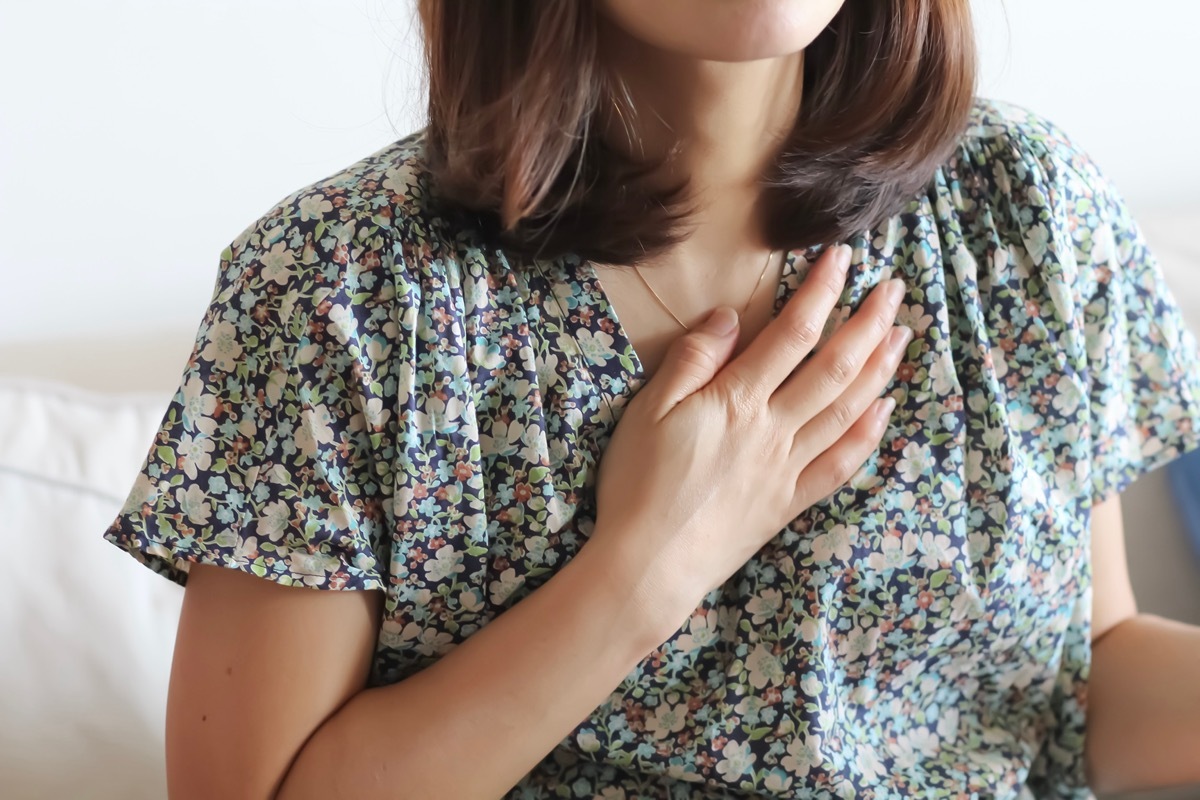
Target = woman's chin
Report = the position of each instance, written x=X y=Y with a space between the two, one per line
x=723 y=30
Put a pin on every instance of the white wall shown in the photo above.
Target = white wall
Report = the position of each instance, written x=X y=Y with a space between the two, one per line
x=137 y=138
x=1122 y=78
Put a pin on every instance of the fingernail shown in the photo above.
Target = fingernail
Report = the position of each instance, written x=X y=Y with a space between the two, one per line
x=722 y=321
x=895 y=290
x=899 y=338
x=886 y=408
x=842 y=257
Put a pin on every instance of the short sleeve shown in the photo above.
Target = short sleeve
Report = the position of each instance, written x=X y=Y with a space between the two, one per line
x=274 y=456
x=1143 y=362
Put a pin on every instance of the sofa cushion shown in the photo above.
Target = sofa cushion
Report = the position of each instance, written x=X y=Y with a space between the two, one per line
x=89 y=635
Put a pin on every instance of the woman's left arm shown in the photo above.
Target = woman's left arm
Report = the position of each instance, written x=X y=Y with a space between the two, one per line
x=1143 y=718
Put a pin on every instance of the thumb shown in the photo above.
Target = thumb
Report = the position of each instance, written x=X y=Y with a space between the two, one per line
x=694 y=359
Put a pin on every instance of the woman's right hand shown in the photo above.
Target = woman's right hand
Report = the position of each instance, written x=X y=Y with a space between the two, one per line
x=710 y=460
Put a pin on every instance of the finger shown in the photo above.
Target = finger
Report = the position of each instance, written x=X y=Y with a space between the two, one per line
x=691 y=361
x=837 y=465
x=825 y=376
x=831 y=424
x=771 y=356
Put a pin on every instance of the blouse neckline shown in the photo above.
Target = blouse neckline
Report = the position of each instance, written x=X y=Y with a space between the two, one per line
x=617 y=371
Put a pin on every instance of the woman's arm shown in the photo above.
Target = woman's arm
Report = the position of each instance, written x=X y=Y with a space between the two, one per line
x=1143 y=719
x=267 y=697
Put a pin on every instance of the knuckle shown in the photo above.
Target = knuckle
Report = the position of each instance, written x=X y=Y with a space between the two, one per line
x=740 y=396
x=841 y=414
x=841 y=366
x=847 y=465
x=693 y=353
x=834 y=284
x=882 y=324
x=886 y=364
x=805 y=332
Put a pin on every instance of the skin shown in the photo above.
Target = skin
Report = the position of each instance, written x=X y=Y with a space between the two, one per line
x=723 y=76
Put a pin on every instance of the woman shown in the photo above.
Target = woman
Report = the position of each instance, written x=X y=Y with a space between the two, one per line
x=773 y=585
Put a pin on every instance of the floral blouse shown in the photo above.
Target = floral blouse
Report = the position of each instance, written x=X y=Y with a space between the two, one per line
x=378 y=399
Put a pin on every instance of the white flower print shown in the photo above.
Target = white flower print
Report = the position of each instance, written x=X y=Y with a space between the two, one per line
x=869 y=763
x=1068 y=394
x=432 y=642
x=667 y=718
x=374 y=414
x=702 y=632
x=939 y=550
x=196 y=453
x=547 y=371
x=312 y=568
x=1037 y=242
x=837 y=542
x=314 y=206
x=858 y=642
x=277 y=262
x=596 y=345
x=1001 y=175
x=193 y=502
x=508 y=582
x=274 y=520
x=587 y=741
x=809 y=629
x=342 y=324
x=447 y=562
x=764 y=667
x=978 y=543
x=198 y=407
x=245 y=550
x=947 y=725
x=737 y=760
x=915 y=461
x=895 y=552
x=943 y=377
x=765 y=605
x=535 y=548
x=503 y=438
x=223 y=348
x=313 y=429
x=966 y=605
x=914 y=316
x=143 y=491
x=803 y=753
x=918 y=743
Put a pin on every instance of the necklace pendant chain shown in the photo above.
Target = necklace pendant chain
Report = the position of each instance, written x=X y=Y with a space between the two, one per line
x=681 y=322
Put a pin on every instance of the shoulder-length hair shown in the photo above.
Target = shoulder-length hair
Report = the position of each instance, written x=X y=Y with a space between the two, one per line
x=514 y=84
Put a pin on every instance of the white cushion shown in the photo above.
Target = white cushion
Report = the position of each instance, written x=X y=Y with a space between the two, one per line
x=88 y=633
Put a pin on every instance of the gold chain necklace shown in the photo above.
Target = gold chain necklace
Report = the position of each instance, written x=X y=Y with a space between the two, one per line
x=681 y=322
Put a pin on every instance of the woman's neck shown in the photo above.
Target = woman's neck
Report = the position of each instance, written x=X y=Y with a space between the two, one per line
x=725 y=121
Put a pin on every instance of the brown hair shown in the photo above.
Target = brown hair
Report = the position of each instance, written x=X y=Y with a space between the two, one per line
x=513 y=86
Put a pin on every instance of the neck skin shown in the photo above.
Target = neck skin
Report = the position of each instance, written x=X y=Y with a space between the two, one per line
x=726 y=121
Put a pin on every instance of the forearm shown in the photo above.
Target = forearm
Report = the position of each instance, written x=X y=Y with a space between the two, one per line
x=472 y=724
x=1143 y=728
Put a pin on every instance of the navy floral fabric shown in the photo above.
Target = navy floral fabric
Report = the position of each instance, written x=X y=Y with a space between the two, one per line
x=379 y=400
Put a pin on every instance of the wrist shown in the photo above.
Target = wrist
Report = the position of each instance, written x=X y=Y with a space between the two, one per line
x=648 y=609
